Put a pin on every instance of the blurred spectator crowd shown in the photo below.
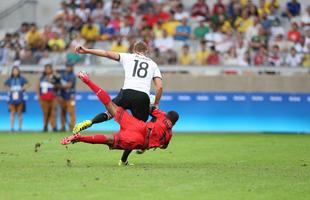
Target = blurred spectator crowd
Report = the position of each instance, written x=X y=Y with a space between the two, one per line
x=237 y=33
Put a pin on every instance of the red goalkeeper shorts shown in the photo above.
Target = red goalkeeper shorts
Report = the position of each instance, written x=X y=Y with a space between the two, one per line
x=132 y=134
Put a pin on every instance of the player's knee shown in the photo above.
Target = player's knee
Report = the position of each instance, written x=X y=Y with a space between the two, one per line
x=110 y=139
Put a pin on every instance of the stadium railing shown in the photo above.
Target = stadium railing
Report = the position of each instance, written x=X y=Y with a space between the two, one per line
x=201 y=70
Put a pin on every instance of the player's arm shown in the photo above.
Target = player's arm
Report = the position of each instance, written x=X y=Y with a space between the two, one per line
x=158 y=84
x=166 y=144
x=25 y=84
x=68 y=85
x=155 y=112
x=7 y=85
x=98 y=52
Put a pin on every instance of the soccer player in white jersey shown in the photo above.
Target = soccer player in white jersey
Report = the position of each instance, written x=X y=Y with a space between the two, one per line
x=140 y=71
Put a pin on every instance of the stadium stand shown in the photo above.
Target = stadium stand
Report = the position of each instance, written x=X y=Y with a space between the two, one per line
x=236 y=33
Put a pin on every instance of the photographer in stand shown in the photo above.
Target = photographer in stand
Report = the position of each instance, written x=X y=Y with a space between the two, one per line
x=47 y=87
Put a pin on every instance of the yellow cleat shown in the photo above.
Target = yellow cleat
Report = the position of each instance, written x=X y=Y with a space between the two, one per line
x=121 y=163
x=82 y=126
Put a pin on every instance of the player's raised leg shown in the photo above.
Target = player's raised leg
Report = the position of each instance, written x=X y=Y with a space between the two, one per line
x=101 y=94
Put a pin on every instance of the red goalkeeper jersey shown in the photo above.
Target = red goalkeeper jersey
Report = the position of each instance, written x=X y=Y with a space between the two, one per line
x=161 y=130
x=136 y=134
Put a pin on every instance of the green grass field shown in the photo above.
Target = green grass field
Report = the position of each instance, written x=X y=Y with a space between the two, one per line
x=195 y=166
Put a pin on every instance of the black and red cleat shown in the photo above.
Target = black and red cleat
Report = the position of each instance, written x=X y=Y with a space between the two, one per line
x=70 y=139
x=83 y=76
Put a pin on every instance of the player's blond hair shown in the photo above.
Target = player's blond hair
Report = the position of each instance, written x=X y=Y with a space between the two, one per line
x=140 y=47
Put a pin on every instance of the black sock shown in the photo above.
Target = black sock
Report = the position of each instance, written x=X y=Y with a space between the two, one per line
x=125 y=155
x=102 y=117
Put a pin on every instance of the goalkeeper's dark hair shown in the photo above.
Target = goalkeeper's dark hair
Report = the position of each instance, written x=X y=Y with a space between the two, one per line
x=173 y=116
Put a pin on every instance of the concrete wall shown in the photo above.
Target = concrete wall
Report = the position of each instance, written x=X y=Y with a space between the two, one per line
x=41 y=12
x=46 y=11
x=185 y=82
x=6 y=4
x=26 y=13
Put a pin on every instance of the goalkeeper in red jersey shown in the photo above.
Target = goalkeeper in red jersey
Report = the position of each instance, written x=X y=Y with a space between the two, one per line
x=133 y=133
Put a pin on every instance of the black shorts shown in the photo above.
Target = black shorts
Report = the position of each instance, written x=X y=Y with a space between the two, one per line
x=137 y=102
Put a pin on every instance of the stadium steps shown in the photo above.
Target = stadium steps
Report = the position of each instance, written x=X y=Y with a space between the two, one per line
x=13 y=13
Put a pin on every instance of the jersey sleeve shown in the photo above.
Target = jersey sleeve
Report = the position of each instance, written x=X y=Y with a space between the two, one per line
x=123 y=57
x=157 y=73
x=158 y=113
x=167 y=140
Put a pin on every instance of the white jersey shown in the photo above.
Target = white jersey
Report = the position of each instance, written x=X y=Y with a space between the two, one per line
x=139 y=72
